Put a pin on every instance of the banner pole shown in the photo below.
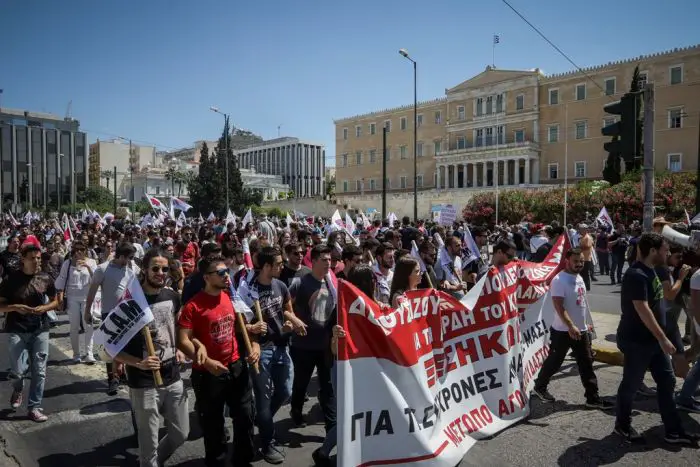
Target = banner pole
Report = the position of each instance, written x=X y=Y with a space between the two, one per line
x=151 y=353
x=246 y=338
x=258 y=311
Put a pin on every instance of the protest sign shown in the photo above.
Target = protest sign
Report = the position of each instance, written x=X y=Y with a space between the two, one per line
x=130 y=315
x=418 y=385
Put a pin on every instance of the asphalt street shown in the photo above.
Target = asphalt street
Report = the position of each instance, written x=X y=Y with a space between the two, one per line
x=604 y=297
x=88 y=428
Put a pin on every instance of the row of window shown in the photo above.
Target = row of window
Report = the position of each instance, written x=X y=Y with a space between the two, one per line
x=403 y=125
x=675 y=76
x=674 y=163
x=496 y=104
x=375 y=184
x=373 y=155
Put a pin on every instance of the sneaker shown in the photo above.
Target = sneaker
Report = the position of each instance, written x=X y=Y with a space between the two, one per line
x=688 y=439
x=113 y=387
x=90 y=359
x=320 y=459
x=76 y=360
x=693 y=406
x=544 y=395
x=272 y=454
x=630 y=434
x=37 y=415
x=16 y=399
x=600 y=404
x=297 y=418
x=645 y=390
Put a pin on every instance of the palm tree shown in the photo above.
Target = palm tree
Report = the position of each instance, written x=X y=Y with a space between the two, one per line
x=187 y=178
x=107 y=175
x=180 y=178
x=171 y=175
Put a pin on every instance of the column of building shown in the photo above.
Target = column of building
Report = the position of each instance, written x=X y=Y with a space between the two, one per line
x=448 y=174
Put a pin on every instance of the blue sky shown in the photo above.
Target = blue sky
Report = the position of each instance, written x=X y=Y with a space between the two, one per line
x=149 y=70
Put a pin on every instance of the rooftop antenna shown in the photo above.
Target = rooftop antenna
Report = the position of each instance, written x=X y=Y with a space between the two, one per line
x=69 y=110
x=279 y=128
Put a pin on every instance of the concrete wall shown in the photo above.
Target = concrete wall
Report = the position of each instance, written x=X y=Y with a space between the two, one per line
x=399 y=203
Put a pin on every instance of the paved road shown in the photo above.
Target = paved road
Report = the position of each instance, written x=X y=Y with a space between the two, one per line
x=604 y=297
x=88 y=428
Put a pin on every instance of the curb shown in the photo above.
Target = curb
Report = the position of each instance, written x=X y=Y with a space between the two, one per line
x=606 y=352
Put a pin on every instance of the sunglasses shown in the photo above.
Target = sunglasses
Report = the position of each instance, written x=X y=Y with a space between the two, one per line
x=164 y=269
x=220 y=272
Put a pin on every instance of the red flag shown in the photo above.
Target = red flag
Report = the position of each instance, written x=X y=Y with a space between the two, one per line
x=247 y=258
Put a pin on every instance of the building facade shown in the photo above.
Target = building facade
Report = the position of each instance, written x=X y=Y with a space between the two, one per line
x=105 y=155
x=44 y=160
x=520 y=128
x=300 y=164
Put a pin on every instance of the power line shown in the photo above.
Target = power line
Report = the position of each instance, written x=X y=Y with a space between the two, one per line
x=541 y=34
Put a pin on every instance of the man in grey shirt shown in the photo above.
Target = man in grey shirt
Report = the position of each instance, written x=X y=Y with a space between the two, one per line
x=113 y=277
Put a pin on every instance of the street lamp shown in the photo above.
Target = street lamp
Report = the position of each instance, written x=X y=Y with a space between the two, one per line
x=404 y=53
x=30 y=180
x=226 y=119
x=60 y=181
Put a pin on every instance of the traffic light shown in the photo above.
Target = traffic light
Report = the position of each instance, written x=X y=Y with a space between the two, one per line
x=626 y=132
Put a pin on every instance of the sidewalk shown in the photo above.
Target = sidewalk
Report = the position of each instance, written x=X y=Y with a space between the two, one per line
x=605 y=345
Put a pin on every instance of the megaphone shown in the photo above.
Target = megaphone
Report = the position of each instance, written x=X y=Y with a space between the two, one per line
x=688 y=241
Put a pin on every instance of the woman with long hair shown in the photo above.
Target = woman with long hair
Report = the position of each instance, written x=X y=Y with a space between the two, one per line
x=407 y=277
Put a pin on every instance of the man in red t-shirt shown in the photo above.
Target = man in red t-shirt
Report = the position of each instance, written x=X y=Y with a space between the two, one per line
x=220 y=376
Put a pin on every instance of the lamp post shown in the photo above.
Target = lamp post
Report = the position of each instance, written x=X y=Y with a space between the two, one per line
x=131 y=175
x=30 y=180
x=60 y=181
x=404 y=53
x=226 y=119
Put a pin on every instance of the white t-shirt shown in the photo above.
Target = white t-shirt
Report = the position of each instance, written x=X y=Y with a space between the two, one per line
x=573 y=290
x=695 y=285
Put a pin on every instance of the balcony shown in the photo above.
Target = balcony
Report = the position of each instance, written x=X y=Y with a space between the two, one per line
x=488 y=144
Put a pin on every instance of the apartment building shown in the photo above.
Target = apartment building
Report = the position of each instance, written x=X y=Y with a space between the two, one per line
x=106 y=155
x=519 y=128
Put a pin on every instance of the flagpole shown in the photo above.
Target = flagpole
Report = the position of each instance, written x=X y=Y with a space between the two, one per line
x=566 y=160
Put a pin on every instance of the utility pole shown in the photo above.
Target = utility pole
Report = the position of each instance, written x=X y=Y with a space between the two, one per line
x=115 y=189
x=697 y=174
x=384 y=157
x=648 y=213
x=133 y=191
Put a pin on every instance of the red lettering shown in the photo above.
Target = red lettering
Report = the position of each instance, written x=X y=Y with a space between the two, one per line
x=489 y=344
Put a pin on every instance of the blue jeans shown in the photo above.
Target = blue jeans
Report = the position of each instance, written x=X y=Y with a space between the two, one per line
x=30 y=350
x=639 y=358
x=273 y=387
x=332 y=435
x=690 y=385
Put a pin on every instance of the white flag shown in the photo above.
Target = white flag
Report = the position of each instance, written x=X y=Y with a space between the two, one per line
x=123 y=322
x=247 y=219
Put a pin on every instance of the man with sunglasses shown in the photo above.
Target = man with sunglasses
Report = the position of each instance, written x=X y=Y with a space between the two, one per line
x=293 y=269
x=220 y=376
x=148 y=400
x=113 y=278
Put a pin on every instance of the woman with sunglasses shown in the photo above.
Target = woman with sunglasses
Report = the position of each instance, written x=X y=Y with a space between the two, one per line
x=72 y=284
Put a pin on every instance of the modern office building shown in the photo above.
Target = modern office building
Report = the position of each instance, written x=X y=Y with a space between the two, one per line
x=523 y=126
x=44 y=160
x=301 y=164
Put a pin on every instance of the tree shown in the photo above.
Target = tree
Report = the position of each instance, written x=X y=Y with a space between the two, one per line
x=107 y=175
x=330 y=187
x=171 y=175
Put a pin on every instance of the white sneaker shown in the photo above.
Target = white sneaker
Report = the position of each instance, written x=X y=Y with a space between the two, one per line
x=76 y=360
x=90 y=359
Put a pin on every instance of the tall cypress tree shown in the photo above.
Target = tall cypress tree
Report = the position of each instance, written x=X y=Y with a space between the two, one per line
x=240 y=197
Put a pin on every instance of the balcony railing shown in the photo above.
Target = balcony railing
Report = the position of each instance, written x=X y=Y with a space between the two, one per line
x=487 y=144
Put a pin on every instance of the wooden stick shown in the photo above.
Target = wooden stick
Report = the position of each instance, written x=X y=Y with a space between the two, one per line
x=151 y=353
x=258 y=310
x=246 y=338
x=430 y=282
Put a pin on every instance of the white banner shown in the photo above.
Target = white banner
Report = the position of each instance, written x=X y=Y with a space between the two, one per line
x=130 y=315
x=419 y=385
